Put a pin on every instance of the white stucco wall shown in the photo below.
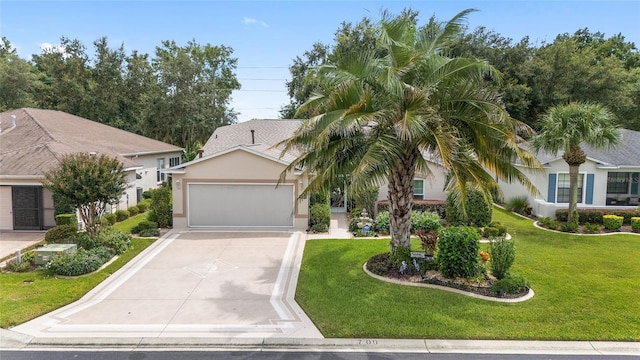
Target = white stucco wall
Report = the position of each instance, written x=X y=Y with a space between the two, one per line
x=148 y=172
x=433 y=184
x=6 y=216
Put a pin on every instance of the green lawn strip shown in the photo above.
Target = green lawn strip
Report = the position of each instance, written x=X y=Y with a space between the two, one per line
x=21 y=301
x=586 y=289
x=128 y=224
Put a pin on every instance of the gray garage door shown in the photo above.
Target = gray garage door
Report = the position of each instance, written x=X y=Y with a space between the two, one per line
x=240 y=205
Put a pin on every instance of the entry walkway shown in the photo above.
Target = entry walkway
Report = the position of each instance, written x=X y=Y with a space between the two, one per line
x=338 y=228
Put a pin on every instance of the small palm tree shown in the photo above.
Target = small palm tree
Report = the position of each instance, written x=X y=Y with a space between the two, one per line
x=565 y=127
x=378 y=113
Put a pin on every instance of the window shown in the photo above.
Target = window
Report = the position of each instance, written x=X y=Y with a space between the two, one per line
x=418 y=189
x=174 y=161
x=563 y=188
x=618 y=183
x=160 y=166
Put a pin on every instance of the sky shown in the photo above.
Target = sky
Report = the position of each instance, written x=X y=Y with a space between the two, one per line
x=267 y=35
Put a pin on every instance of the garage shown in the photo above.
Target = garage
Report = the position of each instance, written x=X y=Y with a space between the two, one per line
x=240 y=205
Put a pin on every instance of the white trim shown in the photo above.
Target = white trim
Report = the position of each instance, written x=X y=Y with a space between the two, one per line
x=180 y=150
x=232 y=149
x=293 y=206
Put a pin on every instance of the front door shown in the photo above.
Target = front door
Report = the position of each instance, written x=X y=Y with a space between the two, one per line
x=338 y=201
x=27 y=207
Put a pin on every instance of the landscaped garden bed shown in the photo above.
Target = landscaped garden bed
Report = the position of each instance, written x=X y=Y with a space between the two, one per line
x=585 y=290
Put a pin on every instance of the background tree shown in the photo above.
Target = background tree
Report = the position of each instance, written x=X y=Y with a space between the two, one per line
x=18 y=79
x=564 y=128
x=193 y=94
x=88 y=183
x=376 y=112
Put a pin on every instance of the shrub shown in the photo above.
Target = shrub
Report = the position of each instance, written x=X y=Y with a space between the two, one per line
x=366 y=198
x=383 y=223
x=424 y=221
x=401 y=254
x=635 y=224
x=549 y=223
x=502 y=229
x=319 y=228
x=518 y=204
x=320 y=214
x=115 y=240
x=133 y=210
x=491 y=232
x=15 y=266
x=436 y=206
x=458 y=248
x=502 y=253
x=479 y=211
x=429 y=240
x=596 y=215
x=144 y=205
x=67 y=219
x=122 y=215
x=161 y=206
x=81 y=262
x=591 y=228
x=569 y=226
x=59 y=234
x=612 y=222
x=86 y=241
x=109 y=219
x=149 y=233
x=511 y=284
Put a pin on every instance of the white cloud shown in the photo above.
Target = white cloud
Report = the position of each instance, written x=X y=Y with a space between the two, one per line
x=48 y=47
x=251 y=21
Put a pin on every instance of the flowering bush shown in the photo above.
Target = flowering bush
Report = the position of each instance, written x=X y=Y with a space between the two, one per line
x=484 y=256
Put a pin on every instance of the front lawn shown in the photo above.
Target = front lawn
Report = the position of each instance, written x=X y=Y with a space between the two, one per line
x=25 y=296
x=587 y=288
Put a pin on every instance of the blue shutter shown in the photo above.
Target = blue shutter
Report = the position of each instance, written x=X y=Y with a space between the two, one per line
x=589 y=189
x=635 y=177
x=551 y=193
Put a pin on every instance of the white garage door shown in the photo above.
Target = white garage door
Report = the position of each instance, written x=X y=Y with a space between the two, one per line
x=240 y=205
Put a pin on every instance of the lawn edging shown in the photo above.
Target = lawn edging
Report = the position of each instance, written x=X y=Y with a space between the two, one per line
x=526 y=297
x=536 y=225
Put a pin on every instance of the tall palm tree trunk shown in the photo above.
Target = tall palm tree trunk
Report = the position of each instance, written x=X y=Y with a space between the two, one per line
x=401 y=200
x=573 y=191
x=574 y=158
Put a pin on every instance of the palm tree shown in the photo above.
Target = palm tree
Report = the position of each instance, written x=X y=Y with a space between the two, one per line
x=565 y=127
x=377 y=114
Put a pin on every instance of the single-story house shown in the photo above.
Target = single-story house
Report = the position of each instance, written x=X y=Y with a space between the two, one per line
x=33 y=140
x=233 y=181
x=609 y=178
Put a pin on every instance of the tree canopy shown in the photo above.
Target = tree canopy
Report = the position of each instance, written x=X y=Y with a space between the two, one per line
x=377 y=112
x=584 y=66
x=180 y=95
x=88 y=182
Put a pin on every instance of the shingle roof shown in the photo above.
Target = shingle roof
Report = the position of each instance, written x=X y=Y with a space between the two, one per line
x=266 y=132
x=41 y=137
x=627 y=153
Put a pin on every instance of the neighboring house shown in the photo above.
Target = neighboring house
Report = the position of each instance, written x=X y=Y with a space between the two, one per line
x=31 y=143
x=609 y=178
x=233 y=183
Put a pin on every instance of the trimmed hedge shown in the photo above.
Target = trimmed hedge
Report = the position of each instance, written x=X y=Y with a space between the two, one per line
x=320 y=217
x=635 y=224
x=67 y=219
x=479 y=211
x=594 y=216
x=122 y=215
x=612 y=222
x=437 y=206
x=59 y=234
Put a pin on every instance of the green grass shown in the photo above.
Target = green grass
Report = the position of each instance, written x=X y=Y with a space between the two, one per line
x=587 y=288
x=128 y=224
x=25 y=296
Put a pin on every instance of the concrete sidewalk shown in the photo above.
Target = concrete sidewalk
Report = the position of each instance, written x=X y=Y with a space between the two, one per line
x=10 y=340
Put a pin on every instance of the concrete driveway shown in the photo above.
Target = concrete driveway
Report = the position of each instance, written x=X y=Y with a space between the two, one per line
x=12 y=241
x=193 y=284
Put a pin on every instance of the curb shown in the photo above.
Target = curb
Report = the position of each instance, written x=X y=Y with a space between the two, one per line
x=10 y=340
